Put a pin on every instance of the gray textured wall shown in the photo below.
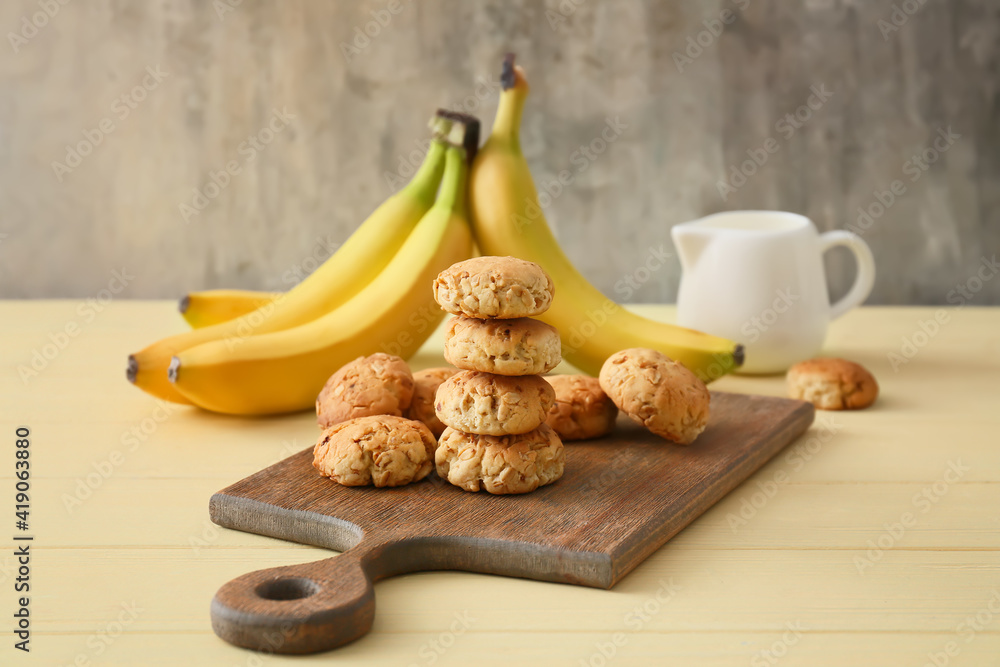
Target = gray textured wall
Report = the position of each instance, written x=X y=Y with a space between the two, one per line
x=687 y=124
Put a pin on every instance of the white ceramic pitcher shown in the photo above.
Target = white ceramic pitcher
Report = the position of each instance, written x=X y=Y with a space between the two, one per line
x=756 y=277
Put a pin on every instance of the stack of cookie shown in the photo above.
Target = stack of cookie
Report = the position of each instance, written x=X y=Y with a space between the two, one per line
x=495 y=407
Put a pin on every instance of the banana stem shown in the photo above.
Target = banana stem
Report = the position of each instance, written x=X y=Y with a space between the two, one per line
x=425 y=182
x=507 y=124
x=508 y=79
x=463 y=131
x=453 y=185
x=440 y=125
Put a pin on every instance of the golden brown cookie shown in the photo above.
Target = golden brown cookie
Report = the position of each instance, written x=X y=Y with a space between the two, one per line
x=657 y=392
x=582 y=410
x=380 y=384
x=425 y=386
x=520 y=346
x=488 y=404
x=500 y=465
x=382 y=450
x=832 y=384
x=494 y=287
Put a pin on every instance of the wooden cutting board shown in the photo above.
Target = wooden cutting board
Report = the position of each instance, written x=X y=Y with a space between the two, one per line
x=619 y=500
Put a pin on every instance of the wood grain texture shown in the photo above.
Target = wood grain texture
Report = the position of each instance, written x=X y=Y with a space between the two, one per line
x=716 y=648
x=356 y=120
x=620 y=499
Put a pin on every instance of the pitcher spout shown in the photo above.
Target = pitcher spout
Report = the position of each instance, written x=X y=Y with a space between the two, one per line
x=690 y=241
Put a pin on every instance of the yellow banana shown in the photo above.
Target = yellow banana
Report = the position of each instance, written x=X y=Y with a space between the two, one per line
x=361 y=258
x=395 y=313
x=507 y=220
x=208 y=307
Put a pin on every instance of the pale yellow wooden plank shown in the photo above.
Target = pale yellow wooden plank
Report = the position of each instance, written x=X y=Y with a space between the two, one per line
x=848 y=516
x=156 y=439
x=179 y=442
x=795 y=515
x=183 y=442
x=473 y=647
x=868 y=448
x=701 y=590
x=951 y=376
x=83 y=384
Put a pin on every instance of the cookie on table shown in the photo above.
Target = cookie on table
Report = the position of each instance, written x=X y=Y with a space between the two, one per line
x=494 y=287
x=487 y=404
x=832 y=384
x=582 y=410
x=657 y=392
x=380 y=384
x=382 y=450
x=519 y=346
x=425 y=386
x=500 y=465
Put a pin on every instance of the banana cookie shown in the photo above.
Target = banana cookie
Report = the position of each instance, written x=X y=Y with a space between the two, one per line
x=494 y=287
x=582 y=410
x=657 y=392
x=487 y=404
x=520 y=346
x=425 y=386
x=380 y=384
x=832 y=384
x=382 y=450
x=500 y=465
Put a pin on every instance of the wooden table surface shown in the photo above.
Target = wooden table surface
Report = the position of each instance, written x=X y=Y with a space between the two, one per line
x=874 y=540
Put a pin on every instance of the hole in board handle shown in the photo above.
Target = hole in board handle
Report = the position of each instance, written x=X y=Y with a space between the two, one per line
x=287 y=588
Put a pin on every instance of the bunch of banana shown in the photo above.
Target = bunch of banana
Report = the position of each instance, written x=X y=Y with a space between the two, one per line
x=374 y=293
x=263 y=352
x=507 y=220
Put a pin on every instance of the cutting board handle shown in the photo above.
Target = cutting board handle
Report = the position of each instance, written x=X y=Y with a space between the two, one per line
x=301 y=608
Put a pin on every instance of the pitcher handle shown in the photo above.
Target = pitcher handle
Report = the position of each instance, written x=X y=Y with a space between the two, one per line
x=865 y=278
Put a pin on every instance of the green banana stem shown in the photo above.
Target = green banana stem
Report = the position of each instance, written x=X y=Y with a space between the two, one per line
x=423 y=187
x=463 y=130
x=440 y=125
x=453 y=186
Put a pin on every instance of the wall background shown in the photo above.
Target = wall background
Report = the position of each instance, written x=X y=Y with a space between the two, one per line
x=227 y=70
